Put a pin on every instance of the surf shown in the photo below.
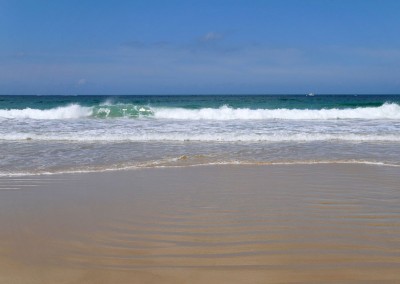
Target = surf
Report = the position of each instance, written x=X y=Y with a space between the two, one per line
x=386 y=111
x=223 y=113
x=63 y=112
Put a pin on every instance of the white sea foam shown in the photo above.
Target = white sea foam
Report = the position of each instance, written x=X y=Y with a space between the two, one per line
x=67 y=112
x=108 y=102
x=386 y=111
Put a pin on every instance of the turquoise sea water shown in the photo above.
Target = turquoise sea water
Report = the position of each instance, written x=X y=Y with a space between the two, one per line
x=117 y=103
x=49 y=134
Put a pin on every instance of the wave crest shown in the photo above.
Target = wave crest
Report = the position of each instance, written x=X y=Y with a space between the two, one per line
x=66 y=112
x=74 y=111
x=386 y=111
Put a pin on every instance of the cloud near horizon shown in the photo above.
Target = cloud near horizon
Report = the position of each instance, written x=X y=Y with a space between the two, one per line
x=211 y=36
x=194 y=68
x=82 y=82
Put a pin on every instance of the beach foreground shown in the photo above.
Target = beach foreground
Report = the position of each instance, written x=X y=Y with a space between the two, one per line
x=323 y=223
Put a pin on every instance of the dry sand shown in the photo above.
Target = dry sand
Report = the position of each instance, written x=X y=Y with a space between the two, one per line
x=215 y=224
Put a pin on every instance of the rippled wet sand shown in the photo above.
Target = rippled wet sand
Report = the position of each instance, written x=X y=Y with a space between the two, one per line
x=222 y=224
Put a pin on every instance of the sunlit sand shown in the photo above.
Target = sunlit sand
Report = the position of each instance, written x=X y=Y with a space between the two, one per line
x=215 y=224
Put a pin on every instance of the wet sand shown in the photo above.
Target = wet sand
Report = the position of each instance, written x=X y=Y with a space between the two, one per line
x=337 y=223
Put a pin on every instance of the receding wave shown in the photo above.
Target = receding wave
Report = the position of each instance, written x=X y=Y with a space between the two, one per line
x=75 y=111
x=176 y=163
x=207 y=137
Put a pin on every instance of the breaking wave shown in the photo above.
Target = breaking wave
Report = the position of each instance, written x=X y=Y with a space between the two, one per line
x=75 y=111
x=67 y=112
x=386 y=111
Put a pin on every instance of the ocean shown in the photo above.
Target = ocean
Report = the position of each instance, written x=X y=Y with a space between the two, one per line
x=57 y=134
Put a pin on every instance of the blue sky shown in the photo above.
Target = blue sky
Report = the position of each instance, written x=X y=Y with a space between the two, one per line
x=199 y=47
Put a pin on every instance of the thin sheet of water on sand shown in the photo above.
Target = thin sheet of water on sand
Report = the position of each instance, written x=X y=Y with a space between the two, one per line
x=220 y=224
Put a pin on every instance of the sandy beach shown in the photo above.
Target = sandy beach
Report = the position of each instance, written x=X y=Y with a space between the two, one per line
x=217 y=142
x=331 y=223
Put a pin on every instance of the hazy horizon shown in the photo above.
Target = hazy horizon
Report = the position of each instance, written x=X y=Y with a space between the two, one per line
x=211 y=94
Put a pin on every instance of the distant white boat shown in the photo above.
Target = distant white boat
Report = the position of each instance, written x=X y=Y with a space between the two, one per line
x=310 y=94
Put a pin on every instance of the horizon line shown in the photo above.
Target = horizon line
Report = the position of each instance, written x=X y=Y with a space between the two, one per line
x=213 y=94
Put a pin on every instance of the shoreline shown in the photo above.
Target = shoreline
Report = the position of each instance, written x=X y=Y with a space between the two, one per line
x=220 y=224
x=153 y=165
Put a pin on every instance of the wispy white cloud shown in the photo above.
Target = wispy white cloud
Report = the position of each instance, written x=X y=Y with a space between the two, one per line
x=81 y=82
x=137 y=44
x=20 y=54
x=211 y=37
x=383 y=53
x=133 y=44
x=365 y=53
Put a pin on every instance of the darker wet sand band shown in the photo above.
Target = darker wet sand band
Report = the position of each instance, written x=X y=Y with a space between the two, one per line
x=216 y=224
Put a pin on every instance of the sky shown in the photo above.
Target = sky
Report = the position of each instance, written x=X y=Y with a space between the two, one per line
x=199 y=47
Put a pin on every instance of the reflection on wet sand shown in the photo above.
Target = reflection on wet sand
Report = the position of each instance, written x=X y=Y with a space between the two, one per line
x=301 y=223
